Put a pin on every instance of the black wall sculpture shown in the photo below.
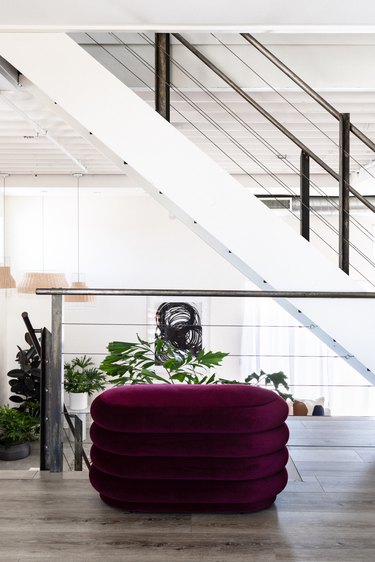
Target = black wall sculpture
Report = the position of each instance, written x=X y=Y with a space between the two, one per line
x=179 y=323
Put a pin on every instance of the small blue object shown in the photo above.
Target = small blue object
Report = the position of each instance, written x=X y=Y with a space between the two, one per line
x=318 y=411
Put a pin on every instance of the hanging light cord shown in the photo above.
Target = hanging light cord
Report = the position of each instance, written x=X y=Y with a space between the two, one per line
x=78 y=216
x=3 y=219
x=4 y=211
x=43 y=241
x=78 y=229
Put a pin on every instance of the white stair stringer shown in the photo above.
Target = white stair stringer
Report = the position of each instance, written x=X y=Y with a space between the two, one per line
x=205 y=197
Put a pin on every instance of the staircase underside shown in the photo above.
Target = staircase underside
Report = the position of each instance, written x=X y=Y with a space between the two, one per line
x=205 y=197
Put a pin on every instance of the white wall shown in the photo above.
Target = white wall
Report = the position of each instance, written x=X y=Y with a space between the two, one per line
x=125 y=242
x=131 y=242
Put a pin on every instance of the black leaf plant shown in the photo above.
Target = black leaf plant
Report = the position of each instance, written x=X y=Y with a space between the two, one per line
x=25 y=380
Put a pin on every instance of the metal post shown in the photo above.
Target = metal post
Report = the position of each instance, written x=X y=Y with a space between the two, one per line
x=344 y=173
x=54 y=402
x=78 y=445
x=31 y=332
x=162 y=74
x=305 y=195
x=44 y=462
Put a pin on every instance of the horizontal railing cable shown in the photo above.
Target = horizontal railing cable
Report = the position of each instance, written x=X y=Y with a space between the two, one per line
x=233 y=355
x=143 y=325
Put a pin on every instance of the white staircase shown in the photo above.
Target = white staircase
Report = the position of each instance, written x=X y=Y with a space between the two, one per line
x=207 y=199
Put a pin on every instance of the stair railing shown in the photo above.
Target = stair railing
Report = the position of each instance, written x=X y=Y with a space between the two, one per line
x=346 y=127
x=163 y=83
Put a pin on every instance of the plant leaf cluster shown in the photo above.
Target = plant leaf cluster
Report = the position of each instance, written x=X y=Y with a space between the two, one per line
x=25 y=381
x=17 y=426
x=81 y=375
x=276 y=380
x=143 y=362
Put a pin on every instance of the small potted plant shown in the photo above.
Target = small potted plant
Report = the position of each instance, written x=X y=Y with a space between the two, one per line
x=17 y=429
x=81 y=380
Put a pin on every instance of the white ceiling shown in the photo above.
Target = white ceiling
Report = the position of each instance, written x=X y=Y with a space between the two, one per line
x=299 y=15
x=35 y=140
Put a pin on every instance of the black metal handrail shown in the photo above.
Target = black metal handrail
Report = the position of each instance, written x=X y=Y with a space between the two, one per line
x=271 y=118
x=306 y=88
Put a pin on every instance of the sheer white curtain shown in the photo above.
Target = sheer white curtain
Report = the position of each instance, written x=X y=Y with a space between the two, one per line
x=274 y=341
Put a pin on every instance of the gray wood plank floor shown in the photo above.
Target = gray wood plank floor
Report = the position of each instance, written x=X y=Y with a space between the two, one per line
x=327 y=514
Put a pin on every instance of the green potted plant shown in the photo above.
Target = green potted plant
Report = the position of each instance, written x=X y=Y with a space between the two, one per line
x=147 y=363
x=278 y=382
x=143 y=362
x=82 y=379
x=17 y=429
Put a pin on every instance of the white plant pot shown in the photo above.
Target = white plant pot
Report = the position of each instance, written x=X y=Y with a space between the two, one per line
x=78 y=401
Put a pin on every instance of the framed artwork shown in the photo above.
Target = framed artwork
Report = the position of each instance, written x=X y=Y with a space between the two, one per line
x=179 y=320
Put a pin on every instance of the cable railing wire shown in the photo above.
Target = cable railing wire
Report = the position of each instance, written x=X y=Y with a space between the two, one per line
x=269 y=172
x=312 y=94
x=237 y=143
x=291 y=103
x=148 y=325
x=151 y=69
x=249 y=129
x=257 y=161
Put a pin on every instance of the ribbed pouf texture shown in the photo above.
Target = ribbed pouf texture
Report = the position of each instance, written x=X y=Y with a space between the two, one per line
x=189 y=448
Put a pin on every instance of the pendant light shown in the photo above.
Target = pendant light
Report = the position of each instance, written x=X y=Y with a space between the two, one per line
x=6 y=279
x=33 y=280
x=79 y=283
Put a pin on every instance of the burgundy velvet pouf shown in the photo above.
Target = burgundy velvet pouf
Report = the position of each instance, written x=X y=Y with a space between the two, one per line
x=189 y=448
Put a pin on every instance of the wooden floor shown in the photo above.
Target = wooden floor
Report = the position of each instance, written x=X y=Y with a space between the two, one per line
x=326 y=513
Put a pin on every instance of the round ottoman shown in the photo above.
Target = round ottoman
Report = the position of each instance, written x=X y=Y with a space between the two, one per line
x=189 y=448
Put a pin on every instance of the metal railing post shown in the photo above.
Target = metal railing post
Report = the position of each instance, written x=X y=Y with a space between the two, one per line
x=78 y=443
x=162 y=74
x=54 y=398
x=305 y=195
x=44 y=460
x=344 y=172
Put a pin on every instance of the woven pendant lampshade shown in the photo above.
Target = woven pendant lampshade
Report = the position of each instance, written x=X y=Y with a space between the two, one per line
x=79 y=298
x=34 y=280
x=6 y=279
